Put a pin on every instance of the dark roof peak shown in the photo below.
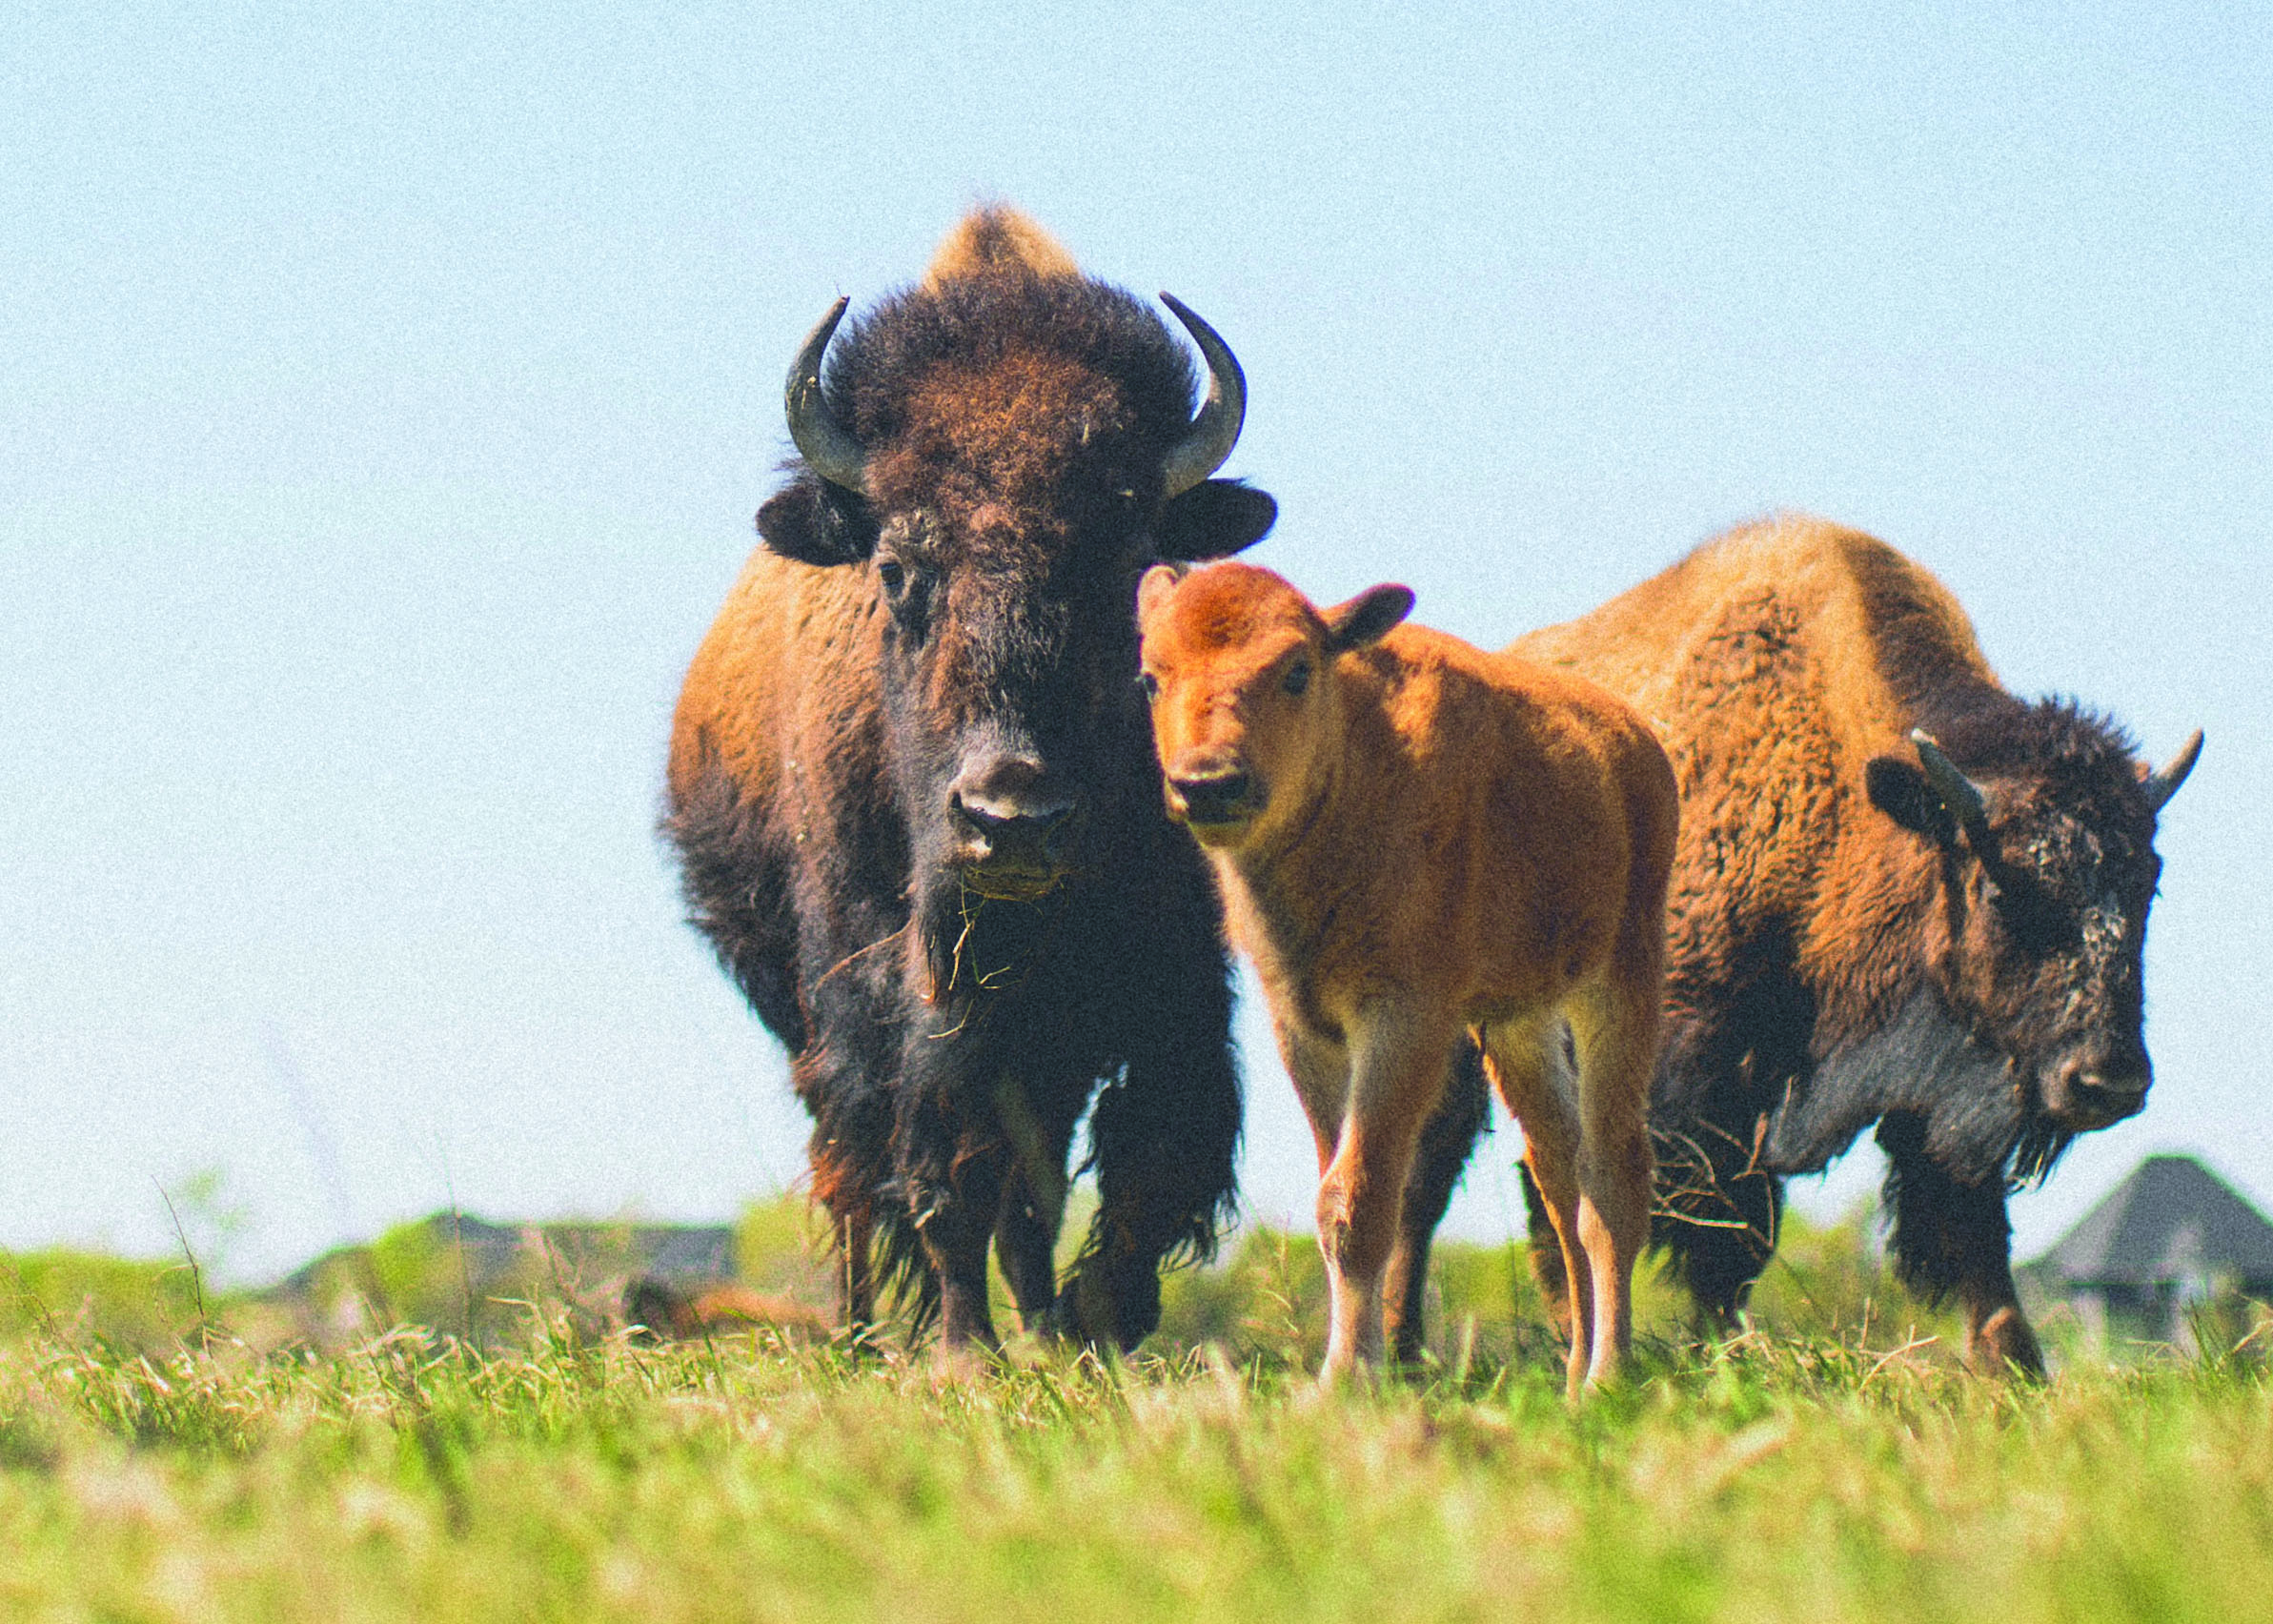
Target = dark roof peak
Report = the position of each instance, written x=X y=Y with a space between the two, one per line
x=2170 y=1219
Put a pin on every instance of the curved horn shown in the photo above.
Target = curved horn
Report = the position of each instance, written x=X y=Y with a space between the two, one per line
x=1958 y=793
x=827 y=445
x=2161 y=786
x=1215 y=427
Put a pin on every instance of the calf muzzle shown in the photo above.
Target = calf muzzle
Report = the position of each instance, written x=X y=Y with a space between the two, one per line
x=1221 y=799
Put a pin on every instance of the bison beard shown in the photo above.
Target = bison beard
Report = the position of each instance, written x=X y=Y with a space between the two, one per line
x=914 y=803
x=1859 y=932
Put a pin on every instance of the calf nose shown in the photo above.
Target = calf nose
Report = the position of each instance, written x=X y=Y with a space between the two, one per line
x=1216 y=796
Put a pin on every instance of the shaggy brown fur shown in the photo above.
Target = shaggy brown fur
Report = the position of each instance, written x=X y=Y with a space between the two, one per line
x=1841 y=949
x=1417 y=840
x=913 y=795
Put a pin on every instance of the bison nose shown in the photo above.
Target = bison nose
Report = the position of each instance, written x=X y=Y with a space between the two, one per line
x=1222 y=797
x=1020 y=816
x=1006 y=803
x=2091 y=1097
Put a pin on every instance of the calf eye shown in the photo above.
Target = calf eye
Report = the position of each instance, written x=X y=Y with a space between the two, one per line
x=1150 y=684
x=1297 y=677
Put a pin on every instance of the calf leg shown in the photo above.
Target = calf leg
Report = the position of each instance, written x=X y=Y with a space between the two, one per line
x=1525 y=1062
x=1615 y=1029
x=1952 y=1236
x=1546 y=1249
x=1446 y=1141
x=1398 y=1057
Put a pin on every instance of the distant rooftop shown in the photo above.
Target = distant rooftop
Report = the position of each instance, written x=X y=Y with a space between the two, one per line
x=2172 y=1219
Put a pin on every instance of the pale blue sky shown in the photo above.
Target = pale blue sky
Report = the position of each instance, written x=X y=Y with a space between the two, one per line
x=386 y=399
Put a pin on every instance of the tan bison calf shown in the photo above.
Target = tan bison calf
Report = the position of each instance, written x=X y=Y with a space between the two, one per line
x=1417 y=842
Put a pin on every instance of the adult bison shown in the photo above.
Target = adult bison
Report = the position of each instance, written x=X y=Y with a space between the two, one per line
x=913 y=791
x=1901 y=895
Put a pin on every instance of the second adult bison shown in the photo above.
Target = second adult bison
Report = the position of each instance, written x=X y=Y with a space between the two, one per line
x=1902 y=897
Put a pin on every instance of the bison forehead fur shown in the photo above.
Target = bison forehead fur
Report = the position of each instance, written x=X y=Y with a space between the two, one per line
x=912 y=786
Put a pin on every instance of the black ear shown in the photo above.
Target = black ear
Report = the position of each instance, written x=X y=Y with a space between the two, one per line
x=1213 y=519
x=816 y=523
x=1901 y=791
x=1367 y=618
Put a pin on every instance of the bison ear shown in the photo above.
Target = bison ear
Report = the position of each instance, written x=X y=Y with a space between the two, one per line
x=1901 y=791
x=1213 y=519
x=816 y=523
x=1367 y=618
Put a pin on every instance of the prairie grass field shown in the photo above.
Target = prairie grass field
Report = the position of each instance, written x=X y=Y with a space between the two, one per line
x=1834 y=1464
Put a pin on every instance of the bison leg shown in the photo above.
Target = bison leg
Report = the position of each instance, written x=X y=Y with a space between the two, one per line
x=1025 y=1231
x=1952 y=1236
x=842 y=1188
x=857 y=1285
x=952 y=1167
x=1446 y=1142
x=1164 y=1141
x=1718 y=1213
x=956 y=1221
x=1024 y=1238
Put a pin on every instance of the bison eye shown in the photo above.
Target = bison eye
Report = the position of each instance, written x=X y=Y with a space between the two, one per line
x=907 y=590
x=1297 y=677
x=1150 y=684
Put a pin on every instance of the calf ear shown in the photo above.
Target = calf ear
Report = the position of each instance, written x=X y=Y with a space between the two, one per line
x=1901 y=791
x=1367 y=618
x=1159 y=581
x=816 y=523
x=1213 y=519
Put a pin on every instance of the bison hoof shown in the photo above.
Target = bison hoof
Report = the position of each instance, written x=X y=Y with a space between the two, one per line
x=2003 y=1345
x=1090 y=1312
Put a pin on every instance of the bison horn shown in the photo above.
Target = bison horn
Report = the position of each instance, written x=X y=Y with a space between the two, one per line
x=1958 y=793
x=2161 y=786
x=1215 y=427
x=827 y=445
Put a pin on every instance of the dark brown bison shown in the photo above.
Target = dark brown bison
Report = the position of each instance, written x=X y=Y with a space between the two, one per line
x=913 y=791
x=1416 y=839
x=1902 y=897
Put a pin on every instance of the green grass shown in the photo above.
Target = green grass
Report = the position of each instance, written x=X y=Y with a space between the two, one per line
x=1832 y=1464
x=413 y=1479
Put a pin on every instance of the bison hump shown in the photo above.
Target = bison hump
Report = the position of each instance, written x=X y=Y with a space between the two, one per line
x=997 y=241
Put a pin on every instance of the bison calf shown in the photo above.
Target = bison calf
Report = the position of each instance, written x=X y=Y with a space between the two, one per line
x=1418 y=841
